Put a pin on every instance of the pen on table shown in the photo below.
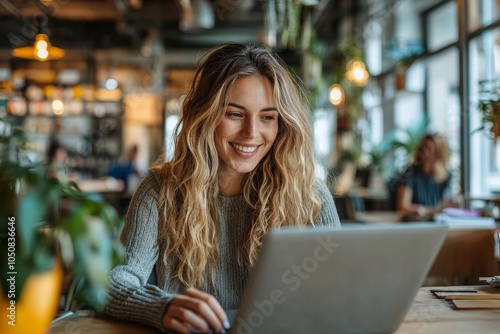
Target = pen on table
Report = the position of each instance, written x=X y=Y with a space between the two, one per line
x=454 y=291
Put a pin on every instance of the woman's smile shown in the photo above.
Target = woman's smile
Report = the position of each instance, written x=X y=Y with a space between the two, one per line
x=245 y=149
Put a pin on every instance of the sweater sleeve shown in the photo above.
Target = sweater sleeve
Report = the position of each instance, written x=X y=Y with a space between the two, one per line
x=130 y=297
x=328 y=216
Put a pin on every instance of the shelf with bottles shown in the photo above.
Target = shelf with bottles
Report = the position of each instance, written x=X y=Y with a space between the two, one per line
x=85 y=127
x=21 y=107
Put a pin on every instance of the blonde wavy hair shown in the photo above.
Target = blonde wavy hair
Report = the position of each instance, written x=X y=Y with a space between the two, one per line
x=279 y=190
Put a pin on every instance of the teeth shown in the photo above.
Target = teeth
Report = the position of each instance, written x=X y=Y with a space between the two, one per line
x=246 y=149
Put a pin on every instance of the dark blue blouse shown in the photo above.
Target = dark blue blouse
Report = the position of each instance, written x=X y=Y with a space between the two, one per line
x=426 y=191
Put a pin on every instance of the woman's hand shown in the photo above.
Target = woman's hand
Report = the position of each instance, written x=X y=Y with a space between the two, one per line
x=194 y=308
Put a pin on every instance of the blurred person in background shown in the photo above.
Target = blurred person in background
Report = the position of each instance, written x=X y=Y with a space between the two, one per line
x=423 y=189
x=126 y=169
x=57 y=167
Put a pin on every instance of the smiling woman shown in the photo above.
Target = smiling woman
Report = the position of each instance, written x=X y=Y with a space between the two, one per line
x=246 y=132
x=243 y=164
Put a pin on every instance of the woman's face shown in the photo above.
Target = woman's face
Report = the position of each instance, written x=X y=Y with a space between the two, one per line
x=428 y=150
x=60 y=155
x=249 y=125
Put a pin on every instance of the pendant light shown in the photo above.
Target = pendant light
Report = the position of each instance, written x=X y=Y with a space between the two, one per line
x=356 y=73
x=336 y=94
x=41 y=50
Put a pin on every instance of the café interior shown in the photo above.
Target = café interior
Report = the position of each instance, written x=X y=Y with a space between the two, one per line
x=105 y=79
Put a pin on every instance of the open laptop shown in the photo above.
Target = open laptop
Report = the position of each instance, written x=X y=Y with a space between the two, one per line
x=355 y=280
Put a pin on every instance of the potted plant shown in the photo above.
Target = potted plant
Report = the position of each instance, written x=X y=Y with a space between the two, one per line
x=489 y=105
x=402 y=67
x=34 y=244
x=405 y=54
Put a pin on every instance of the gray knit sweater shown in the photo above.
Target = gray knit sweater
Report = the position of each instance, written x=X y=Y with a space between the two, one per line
x=130 y=295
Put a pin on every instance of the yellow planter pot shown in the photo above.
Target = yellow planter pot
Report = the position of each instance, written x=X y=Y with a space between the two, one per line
x=37 y=307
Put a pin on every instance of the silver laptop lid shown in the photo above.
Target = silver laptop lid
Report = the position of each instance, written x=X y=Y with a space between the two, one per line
x=355 y=280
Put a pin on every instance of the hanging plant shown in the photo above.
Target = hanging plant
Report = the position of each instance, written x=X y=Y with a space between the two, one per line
x=405 y=53
x=489 y=105
x=282 y=23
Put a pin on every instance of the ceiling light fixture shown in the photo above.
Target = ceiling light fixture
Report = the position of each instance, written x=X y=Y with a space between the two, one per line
x=41 y=50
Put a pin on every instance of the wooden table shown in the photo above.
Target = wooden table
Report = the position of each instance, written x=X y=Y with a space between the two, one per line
x=428 y=314
x=466 y=255
x=431 y=315
x=108 y=184
x=86 y=322
x=468 y=251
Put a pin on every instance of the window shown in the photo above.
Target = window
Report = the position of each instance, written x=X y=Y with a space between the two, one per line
x=324 y=135
x=484 y=52
x=482 y=12
x=444 y=105
x=442 y=28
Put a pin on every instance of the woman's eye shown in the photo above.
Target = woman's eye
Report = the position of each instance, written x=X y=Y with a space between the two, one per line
x=233 y=114
x=269 y=118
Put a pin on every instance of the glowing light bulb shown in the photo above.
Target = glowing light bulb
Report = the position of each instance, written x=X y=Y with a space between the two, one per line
x=336 y=95
x=357 y=73
x=42 y=53
x=41 y=44
x=111 y=84
x=57 y=107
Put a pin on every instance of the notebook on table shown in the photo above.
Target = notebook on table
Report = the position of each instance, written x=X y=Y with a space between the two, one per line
x=357 y=279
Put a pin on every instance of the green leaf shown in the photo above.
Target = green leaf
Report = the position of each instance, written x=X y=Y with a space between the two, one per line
x=27 y=195
x=43 y=254
x=31 y=210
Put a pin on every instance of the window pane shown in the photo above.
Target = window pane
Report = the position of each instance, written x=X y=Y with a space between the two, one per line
x=482 y=13
x=172 y=118
x=376 y=123
x=408 y=109
x=409 y=103
x=484 y=53
x=442 y=26
x=170 y=124
x=324 y=125
x=444 y=105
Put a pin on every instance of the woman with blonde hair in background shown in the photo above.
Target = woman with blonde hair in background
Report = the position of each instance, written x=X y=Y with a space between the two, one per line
x=424 y=186
x=243 y=164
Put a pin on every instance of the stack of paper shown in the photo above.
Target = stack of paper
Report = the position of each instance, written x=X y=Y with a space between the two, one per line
x=465 y=221
x=484 y=297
